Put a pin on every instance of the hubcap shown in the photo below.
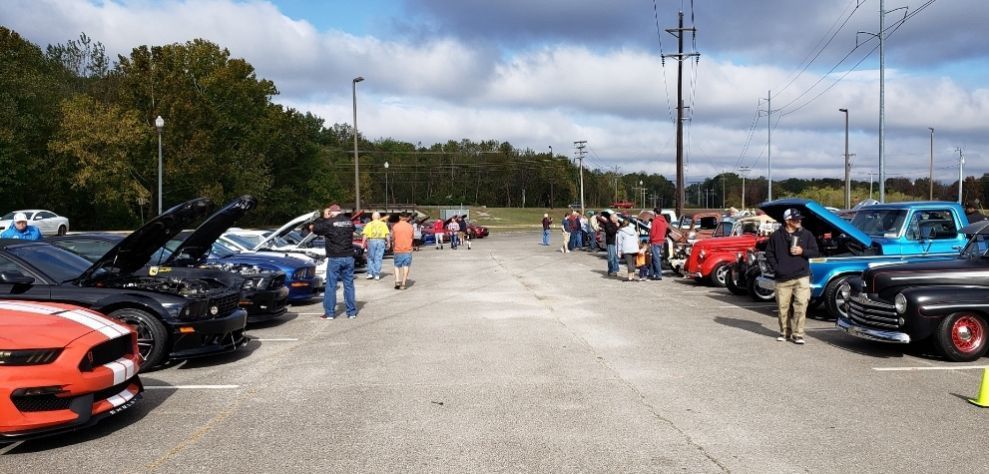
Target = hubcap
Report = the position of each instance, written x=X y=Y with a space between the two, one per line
x=967 y=334
x=722 y=275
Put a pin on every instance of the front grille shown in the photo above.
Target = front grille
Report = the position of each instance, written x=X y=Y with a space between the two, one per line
x=107 y=352
x=225 y=304
x=869 y=312
x=34 y=403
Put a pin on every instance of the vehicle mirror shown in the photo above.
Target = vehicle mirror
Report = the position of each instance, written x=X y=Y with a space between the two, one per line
x=15 y=278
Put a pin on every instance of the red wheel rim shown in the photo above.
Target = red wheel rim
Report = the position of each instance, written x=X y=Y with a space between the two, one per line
x=967 y=333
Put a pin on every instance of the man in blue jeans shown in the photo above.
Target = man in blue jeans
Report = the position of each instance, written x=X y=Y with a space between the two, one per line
x=547 y=222
x=657 y=240
x=338 y=231
x=609 y=222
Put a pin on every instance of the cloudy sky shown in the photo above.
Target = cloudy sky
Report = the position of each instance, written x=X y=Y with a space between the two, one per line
x=544 y=73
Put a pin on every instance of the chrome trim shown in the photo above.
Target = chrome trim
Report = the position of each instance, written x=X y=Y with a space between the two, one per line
x=951 y=306
x=853 y=329
x=905 y=258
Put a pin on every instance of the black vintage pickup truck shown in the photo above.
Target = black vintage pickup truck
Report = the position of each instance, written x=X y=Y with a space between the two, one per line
x=946 y=301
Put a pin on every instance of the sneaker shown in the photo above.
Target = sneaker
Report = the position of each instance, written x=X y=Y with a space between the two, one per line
x=327 y=316
x=397 y=285
x=402 y=286
x=781 y=338
x=351 y=316
x=798 y=340
x=377 y=277
x=369 y=276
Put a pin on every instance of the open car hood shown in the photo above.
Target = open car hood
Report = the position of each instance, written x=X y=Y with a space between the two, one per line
x=195 y=247
x=134 y=251
x=288 y=227
x=817 y=219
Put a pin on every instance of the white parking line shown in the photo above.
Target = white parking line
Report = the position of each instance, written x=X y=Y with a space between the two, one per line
x=276 y=339
x=910 y=369
x=192 y=387
x=753 y=305
x=10 y=447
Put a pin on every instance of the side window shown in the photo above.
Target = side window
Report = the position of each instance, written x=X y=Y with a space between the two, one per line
x=44 y=215
x=90 y=249
x=7 y=266
x=935 y=224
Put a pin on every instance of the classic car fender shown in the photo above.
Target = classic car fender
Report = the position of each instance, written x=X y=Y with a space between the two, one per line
x=114 y=302
x=927 y=306
x=713 y=260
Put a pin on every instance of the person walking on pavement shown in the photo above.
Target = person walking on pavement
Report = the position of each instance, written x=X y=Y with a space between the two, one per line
x=627 y=242
x=657 y=242
x=374 y=238
x=609 y=222
x=402 y=235
x=565 y=229
x=438 y=231
x=416 y=235
x=547 y=222
x=788 y=253
x=20 y=230
x=338 y=233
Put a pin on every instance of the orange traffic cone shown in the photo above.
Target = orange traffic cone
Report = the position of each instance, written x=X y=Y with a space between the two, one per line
x=983 y=399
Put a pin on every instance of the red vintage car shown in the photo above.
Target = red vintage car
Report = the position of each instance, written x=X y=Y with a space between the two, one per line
x=711 y=259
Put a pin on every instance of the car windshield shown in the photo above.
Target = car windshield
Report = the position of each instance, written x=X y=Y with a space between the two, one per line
x=978 y=247
x=246 y=241
x=221 y=250
x=880 y=221
x=61 y=265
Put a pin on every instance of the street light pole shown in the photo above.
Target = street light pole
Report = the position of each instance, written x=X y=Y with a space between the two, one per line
x=386 y=185
x=930 y=173
x=160 y=124
x=357 y=181
x=848 y=178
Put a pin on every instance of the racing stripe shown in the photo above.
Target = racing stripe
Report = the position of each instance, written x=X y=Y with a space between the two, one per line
x=108 y=328
x=120 y=398
x=119 y=371
x=28 y=307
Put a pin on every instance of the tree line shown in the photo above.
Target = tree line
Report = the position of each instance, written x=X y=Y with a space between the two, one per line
x=78 y=136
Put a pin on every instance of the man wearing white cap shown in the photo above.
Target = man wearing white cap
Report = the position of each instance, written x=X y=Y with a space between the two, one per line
x=788 y=253
x=21 y=230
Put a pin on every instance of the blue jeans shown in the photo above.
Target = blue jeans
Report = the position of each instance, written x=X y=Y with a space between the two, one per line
x=545 y=236
x=612 y=258
x=574 y=240
x=339 y=269
x=375 y=253
x=656 y=269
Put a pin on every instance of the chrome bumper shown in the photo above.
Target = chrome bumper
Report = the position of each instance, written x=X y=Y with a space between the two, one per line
x=871 y=334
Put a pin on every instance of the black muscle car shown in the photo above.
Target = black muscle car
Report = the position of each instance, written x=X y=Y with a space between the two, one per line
x=945 y=301
x=175 y=317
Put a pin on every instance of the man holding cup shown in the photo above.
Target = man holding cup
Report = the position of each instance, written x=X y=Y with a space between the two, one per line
x=788 y=253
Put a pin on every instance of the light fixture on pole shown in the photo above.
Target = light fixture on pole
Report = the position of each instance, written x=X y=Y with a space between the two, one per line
x=930 y=172
x=357 y=182
x=386 y=184
x=848 y=166
x=159 y=124
x=640 y=192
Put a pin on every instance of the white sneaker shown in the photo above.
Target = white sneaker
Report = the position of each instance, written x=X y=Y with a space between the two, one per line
x=369 y=276
x=781 y=338
x=376 y=277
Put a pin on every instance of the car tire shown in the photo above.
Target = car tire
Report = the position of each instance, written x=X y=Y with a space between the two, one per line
x=733 y=284
x=962 y=336
x=152 y=335
x=720 y=274
x=62 y=230
x=834 y=301
x=756 y=293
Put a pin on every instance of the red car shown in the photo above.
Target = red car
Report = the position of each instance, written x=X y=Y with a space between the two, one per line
x=711 y=259
x=62 y=368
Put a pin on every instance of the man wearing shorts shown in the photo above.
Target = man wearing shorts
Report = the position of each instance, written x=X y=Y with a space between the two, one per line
x=402 y=235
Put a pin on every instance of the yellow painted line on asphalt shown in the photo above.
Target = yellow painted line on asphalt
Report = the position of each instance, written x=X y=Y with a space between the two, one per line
x=912 y=369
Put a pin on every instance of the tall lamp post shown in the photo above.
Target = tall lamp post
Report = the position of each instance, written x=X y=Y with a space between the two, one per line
x=357 y=181
x=848 y=178
x=159 y=124
x=386 y=185
x=930 y=172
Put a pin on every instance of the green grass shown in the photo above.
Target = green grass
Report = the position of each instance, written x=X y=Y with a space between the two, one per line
x=501 y=219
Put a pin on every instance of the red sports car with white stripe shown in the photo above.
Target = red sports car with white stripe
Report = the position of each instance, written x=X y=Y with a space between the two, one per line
x=62 y=368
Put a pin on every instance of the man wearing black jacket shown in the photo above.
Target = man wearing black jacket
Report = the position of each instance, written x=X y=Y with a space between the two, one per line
x=787 y=253
x=338 y=232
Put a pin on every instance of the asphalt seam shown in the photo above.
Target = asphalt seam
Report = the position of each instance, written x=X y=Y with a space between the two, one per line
x=601 y=361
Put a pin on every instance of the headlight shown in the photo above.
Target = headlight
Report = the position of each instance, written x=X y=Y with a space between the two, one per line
x=702 y=255
x=177 y=310
x=750 y=259
x=29 y=356
x=901 y=303
x=256 y=283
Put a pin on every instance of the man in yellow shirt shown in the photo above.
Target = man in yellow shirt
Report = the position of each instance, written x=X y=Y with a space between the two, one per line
x=374 y=238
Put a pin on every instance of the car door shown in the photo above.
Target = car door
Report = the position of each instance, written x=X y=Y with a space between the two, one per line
x=10 y=270
x=932 y=231
x=45 y=222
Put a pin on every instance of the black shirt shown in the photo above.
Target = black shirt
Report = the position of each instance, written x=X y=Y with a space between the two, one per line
x=338 y=232
x=786 y=266
x=610 y=231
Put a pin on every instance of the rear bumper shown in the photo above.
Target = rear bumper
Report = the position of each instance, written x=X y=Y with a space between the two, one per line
x=872 y=334
x=213 y=336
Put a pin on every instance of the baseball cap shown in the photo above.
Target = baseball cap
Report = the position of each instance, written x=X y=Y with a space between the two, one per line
x=20 y=217
x=792 y=214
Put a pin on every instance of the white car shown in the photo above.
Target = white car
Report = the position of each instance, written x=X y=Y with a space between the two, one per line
x=47 y=222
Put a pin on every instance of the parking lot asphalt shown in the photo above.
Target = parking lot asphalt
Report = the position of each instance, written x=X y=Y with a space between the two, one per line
x=514 y=357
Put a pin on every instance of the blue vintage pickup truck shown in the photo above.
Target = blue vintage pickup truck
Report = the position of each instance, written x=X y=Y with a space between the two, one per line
x=881 y=234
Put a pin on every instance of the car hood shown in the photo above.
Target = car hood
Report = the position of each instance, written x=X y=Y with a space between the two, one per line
x=285 y=264
x=817 y=219
x=135 y=250
x=198 y=243
x=288 y=227
x=31 y=325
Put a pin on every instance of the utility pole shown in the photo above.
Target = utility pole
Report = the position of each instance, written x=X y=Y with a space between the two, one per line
x=580 y=145
x=744 y=171
x=722 y=189
x=848 y=166
x=870 y=183
x=961 y=172
x=882 y=100
x=769 y=140
x=930 y=175
x=616 y=184
x=680 y=56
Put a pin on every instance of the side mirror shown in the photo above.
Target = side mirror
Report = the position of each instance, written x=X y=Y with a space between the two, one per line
x=15 y=278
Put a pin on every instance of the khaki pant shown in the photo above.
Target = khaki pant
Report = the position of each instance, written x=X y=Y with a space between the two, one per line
x=796 y=291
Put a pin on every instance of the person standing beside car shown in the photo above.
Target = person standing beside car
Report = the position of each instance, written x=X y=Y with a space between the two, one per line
x=609 y=222
x=438 y=231
x=657 y=241
x=374 y=238
x=20 y=229
x=338 y=233
x=788 y=255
